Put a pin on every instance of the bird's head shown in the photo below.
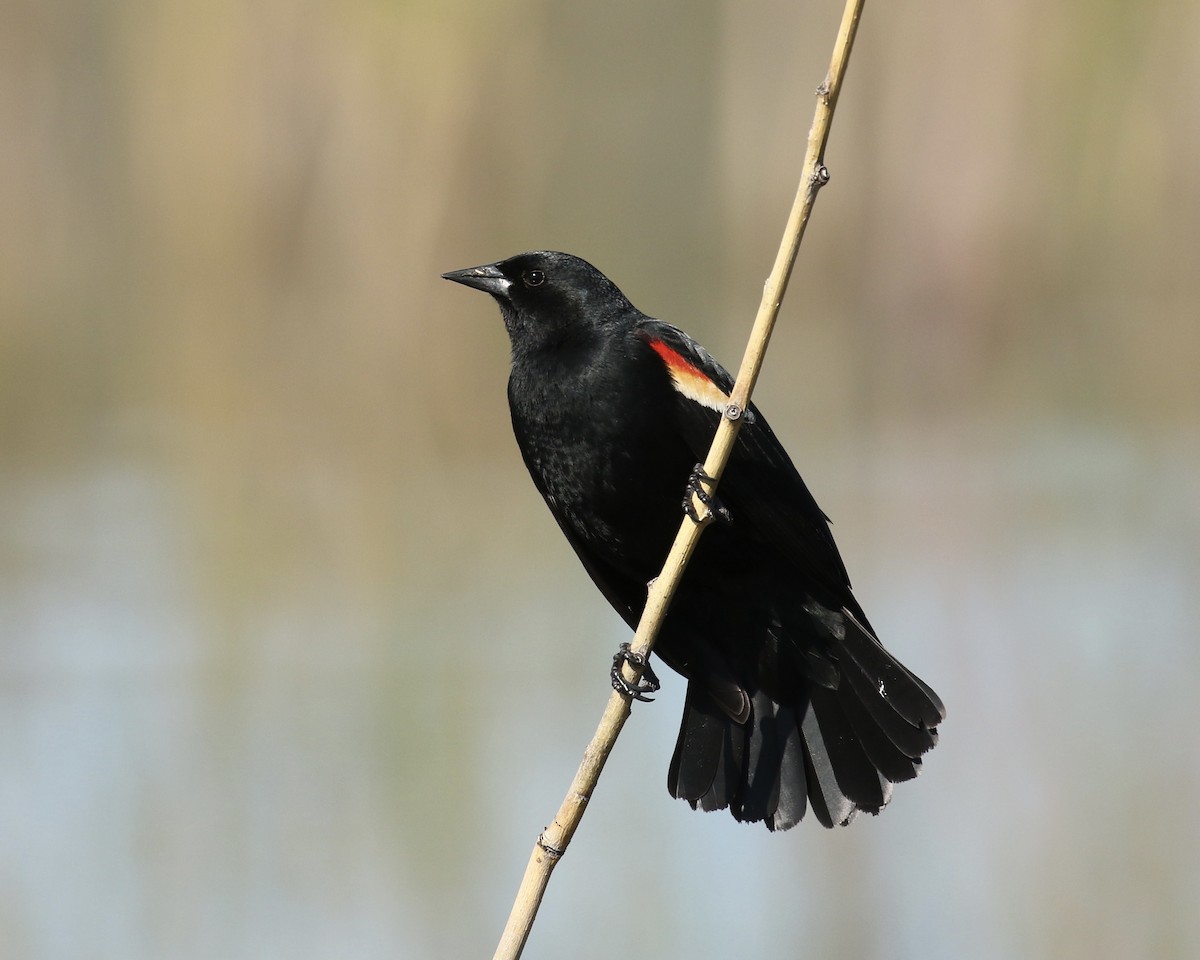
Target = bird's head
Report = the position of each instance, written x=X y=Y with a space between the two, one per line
x=549 y=299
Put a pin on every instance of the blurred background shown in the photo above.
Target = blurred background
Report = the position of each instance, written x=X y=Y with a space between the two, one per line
x=293 y=661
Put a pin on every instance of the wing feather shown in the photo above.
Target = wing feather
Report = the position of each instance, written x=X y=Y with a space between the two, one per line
x=761 y=484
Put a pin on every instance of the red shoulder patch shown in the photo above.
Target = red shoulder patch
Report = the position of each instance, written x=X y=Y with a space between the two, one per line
x=688 y=379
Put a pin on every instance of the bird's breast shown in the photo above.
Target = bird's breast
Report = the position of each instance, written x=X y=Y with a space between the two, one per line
x=609 y=466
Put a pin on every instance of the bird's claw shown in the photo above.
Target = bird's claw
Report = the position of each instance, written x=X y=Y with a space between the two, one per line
x=646 y=683
x=695 y=488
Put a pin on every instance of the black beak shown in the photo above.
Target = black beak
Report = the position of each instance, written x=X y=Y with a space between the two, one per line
x=487 y=278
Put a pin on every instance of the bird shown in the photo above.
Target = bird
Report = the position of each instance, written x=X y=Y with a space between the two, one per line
x=792 y=703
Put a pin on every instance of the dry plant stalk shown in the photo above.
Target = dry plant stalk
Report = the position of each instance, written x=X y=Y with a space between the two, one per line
x=553 y=841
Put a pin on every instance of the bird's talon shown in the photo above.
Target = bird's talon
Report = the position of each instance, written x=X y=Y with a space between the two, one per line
x=647 y=683
x=695 y=489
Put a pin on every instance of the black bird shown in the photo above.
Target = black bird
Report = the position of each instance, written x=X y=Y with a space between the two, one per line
x=792 y=702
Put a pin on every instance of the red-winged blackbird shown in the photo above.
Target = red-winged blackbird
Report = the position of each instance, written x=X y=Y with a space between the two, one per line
x=791 y=700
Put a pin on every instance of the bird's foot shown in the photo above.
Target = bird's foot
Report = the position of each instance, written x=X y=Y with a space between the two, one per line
x=647 y=683
x=695 y=488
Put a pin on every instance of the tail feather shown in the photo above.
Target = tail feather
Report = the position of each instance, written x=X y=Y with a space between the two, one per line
x=793 y=779
x=830 y=808
x=766 y=762
x=911 y=697
x=911 y=740
x=891 y=762
x=854 y=776
x=699 y=747
x=730 y=771
x=835 y=748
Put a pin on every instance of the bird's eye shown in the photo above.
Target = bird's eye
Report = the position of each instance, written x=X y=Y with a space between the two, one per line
x=533 y=278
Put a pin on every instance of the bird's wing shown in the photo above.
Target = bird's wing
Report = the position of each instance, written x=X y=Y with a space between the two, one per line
x=761 y=487
x=860 y=720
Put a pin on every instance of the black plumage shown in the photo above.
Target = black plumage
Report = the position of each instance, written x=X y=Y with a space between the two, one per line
x=792 y=702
